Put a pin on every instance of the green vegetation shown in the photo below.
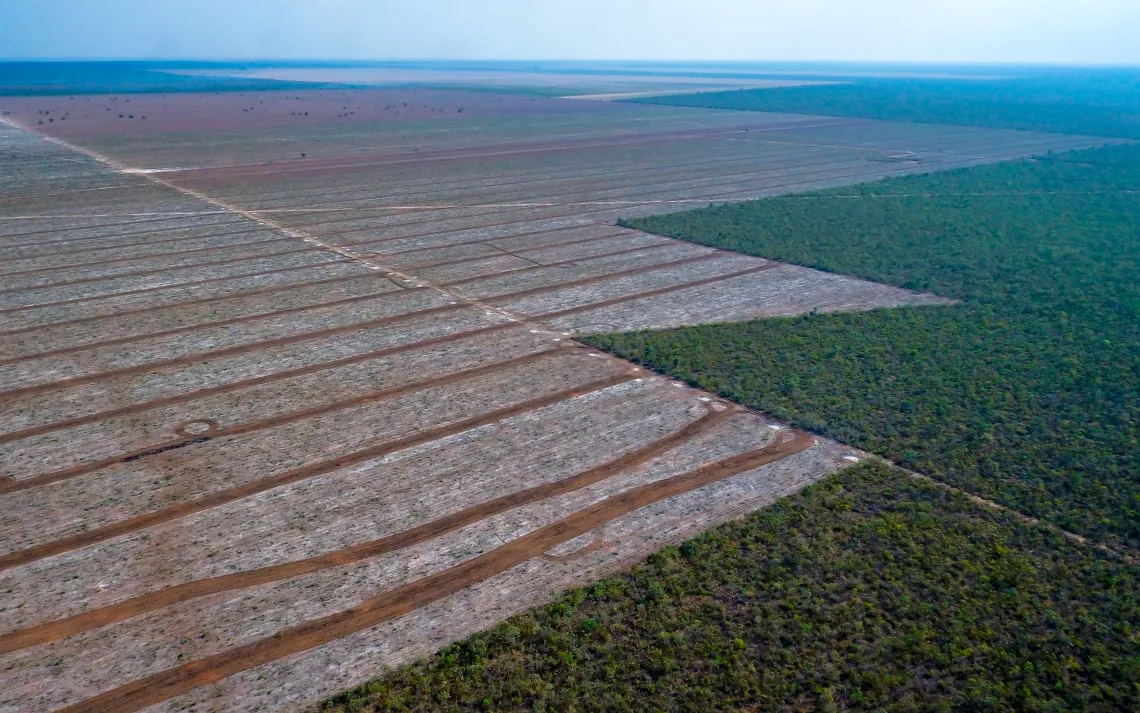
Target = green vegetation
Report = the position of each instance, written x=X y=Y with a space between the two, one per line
x=55 y=78
x=868 y=591
x=1097 y=102
x=873 y=590
x=1026 y=393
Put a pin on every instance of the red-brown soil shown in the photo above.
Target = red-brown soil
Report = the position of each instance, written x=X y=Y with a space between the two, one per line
x=337 y=388
x=198 y=588
x=140 y=694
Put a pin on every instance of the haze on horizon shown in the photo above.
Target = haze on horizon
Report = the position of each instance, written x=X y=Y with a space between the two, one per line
x=946 y=31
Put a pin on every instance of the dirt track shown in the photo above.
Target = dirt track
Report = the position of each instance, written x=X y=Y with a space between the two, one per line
x=156 y=517
x=249 y=427
x=140 y=694
x=164 y=597
x=212 y=438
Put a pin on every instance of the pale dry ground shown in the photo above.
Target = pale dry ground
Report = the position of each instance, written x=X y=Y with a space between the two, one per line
x=236 y=401
x=577 y=84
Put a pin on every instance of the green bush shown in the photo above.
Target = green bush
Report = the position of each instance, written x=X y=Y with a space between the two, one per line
x=868 y=591
x=1026 y=392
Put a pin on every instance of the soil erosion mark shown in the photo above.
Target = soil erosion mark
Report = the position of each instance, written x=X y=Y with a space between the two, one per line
x=176 y=681
x=155 y=517
x=52 y=631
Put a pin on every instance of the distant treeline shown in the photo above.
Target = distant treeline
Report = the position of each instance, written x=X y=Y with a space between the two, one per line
x=1028 y=392
x=1095 y=102
x=56 y=78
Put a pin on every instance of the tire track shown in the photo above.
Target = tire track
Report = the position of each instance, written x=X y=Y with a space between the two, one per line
x=167 y=684
x=173 y=512
x=52 y=631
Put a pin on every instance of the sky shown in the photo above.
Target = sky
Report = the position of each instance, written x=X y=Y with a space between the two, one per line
x=985 y=31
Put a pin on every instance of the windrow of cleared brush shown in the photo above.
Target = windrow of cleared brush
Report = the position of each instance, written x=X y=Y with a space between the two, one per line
x=1026 y=393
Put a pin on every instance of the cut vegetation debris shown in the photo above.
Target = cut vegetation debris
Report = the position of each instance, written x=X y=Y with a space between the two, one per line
x=310 y=406
x=1026 y=393
x=869 y=591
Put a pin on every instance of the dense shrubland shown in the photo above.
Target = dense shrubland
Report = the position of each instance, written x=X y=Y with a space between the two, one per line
x=1077 y=101
x=1027 y=392
x=873 y=590
x=869 y=591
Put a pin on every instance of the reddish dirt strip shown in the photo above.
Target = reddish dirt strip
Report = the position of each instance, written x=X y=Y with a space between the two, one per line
x=596 y=544
x=348 y=328
x=313 y=368
x=488 y=241
x=159 y=270
x=239 y=429
x=188 y=303
x=137 y=258
x=142 y=290
x=308 y=307
x=500 y=251
x=210 y=325
x=165 y=685
x=659 y=291
x=55 y=630
x=228 y=351
x=156 y=517
x=561 y=263
x=246 y=383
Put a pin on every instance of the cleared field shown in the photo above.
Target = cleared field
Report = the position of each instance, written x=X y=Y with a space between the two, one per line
x=268 y=428
x=587 y=85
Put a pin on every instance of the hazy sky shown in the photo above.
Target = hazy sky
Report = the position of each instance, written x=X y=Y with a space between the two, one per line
x=1051 y=31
